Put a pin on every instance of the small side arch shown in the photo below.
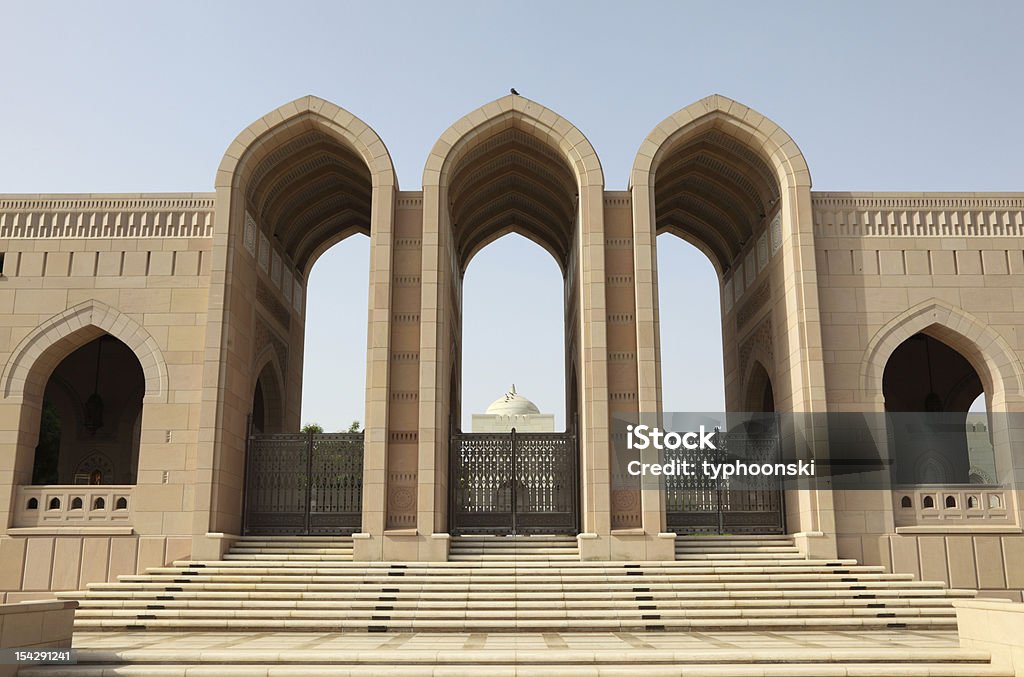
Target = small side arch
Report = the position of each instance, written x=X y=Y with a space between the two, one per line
x=991 y=356
x=38 y=354
x=758 y=385
x=268 y=382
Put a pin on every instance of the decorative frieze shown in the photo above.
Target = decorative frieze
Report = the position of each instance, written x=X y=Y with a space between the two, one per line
x=938 y=215
x=81 y=217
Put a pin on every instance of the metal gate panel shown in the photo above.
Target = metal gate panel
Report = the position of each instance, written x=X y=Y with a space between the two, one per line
x=699 y=504
x=336 y=484
x=513 y=483
x=546 y=481
x=298 y=484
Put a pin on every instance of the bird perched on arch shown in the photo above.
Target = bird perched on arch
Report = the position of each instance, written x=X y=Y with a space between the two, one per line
x=513 y=92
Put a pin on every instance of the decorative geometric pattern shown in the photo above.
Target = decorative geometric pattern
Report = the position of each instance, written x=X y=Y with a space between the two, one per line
x=304 y=484
x=513 y=483
x=106 y=217
x=275 y=269
x=762 y=252
x=264 y=255
x=752 y=305
x=760 y=339
x=268 y=299
x=297 y=296
x=249 y=234
x=286 y=285
x=698 y=504
x=776 y=233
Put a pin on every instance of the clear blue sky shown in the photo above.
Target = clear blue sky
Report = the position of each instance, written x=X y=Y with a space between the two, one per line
x=119 y=97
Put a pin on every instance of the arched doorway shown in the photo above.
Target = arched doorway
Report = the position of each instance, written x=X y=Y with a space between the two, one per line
x=507 y=179
x=294 y=184
x=267 y=415
x=710 y=178
x=929 y=390
x=90 y=427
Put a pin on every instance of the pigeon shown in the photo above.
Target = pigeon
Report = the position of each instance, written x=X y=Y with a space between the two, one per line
x=513 y=92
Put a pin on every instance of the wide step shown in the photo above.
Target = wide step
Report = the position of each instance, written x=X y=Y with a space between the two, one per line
x=874 y=662
x=516 y=584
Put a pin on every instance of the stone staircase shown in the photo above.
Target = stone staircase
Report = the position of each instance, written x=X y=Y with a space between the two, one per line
x=525 y=589
x=514 y=549
x=516 y=585
x=713 y=548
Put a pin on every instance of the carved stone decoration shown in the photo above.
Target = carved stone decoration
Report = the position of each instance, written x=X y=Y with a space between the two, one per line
x=106 y=216
x=249 y=234
x=625 y=504
x=760 y=341
x=762 y=252
x=286 y=285
x=756 y=301
x=275 y=269
x=264 y=255
x=749 y=269
x=727 y=296
x=297 y=296
x=263 y=336
x=776 y=231
x=401 y=500
x=268 y=300
x=96 y=468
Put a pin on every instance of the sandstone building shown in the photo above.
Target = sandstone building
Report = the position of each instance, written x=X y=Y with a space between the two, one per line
x=143 y=336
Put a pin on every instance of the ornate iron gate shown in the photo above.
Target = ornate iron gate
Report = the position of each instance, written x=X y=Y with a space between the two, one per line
x=513 y=483
x=699 y=504
x=304 y=484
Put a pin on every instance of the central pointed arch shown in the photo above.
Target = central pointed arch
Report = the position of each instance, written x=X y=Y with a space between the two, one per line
x=512 y=166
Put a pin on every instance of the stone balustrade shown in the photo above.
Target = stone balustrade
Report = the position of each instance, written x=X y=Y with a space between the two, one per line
x=74 y=505
x=950 y=505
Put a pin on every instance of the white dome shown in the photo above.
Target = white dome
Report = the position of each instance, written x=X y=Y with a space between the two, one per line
x=512 y=404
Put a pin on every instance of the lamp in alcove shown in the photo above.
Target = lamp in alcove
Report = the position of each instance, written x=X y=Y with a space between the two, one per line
x=94 y=405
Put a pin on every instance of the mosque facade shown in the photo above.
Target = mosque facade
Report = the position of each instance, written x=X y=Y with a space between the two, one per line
x=152 y=346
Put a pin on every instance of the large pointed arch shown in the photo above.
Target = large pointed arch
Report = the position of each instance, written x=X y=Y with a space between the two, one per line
x=737 y=185
x=35 y=357
x=731 y=172
x=290 y=120
x=743 y=123
x=989 y=353
x=290 y=185
x=309 y=163
x=512 y=165
x=513 y=111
